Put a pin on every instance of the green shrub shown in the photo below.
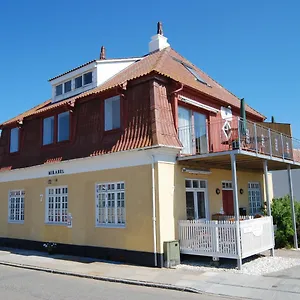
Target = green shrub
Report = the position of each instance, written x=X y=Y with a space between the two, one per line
x=282 y=216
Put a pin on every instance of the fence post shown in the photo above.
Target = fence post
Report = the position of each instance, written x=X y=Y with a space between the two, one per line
x=282 y=147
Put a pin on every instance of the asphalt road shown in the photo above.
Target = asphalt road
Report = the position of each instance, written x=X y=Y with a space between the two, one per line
x=24 y=284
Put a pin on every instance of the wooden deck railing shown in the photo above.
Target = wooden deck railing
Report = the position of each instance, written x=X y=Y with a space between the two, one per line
x=238 y=134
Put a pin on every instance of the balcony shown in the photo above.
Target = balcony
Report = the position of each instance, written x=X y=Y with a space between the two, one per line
x=244 y=138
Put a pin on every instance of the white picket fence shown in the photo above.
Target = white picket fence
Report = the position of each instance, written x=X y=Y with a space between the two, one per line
x=220 y=238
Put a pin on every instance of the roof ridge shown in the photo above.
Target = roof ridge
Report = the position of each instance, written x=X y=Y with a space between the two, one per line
x=161 y=57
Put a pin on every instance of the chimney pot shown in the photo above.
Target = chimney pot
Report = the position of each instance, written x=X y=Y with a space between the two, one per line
x=102 y=53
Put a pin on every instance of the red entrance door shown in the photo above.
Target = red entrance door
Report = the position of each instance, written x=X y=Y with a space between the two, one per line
x=227 y=196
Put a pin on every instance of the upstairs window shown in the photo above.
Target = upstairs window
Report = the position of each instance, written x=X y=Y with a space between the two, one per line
x=78 y=82
x=59 y=90
x=63 y=130
x=56 y=128
x=112 y=113
x=48 y=131
x=67 y=86
x=14 y=140
x=87 y=78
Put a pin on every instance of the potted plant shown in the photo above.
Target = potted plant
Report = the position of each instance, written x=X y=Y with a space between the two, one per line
x=50 y=246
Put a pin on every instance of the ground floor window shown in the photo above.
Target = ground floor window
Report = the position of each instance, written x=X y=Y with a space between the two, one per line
x=16 y=206
x=110 y=204
x=254 y=194
x=57 y=205
x=196 y=199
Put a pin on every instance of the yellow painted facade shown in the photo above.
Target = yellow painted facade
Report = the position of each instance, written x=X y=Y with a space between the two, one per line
x=138 y=232
x=81 y=203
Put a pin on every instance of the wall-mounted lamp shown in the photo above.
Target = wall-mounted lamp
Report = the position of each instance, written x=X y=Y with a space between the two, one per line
x=241 y=191
x=218 y=191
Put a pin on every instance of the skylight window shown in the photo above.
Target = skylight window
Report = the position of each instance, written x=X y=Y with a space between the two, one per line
x=196 y=75
x=192 y=71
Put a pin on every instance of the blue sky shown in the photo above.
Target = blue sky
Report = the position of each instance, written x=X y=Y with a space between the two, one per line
x=250 y=47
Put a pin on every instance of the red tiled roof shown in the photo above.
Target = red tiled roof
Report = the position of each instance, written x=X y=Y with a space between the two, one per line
x=27 y=113
x=161 y=62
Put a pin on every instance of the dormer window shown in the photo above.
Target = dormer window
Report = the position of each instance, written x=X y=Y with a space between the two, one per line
x=78 y=82
x=87 y=78
x=56 y=128
x=59 y=90
x=63 y=128
x=112 y=113
x=67 y=86
x=14 y=140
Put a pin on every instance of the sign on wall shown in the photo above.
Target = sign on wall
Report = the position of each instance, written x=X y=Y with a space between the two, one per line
x=56 y=172
x=69 y=220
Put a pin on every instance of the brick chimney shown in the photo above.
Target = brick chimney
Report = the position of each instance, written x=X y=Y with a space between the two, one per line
x=102 y=53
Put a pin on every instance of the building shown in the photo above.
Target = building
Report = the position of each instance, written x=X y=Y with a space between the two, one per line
x=128 y=153
x=281 y=185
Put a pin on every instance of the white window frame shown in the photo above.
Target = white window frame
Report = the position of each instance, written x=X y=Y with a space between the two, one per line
x=21 y=195
x=59 y=140
x=86 y=84
x=17 y=136
x=199 y=189
x=108 y=123
x=254 y=186
x=227 y=185
x=105 y=192
x=52 y=131
x=62 y=89
x=61 y=194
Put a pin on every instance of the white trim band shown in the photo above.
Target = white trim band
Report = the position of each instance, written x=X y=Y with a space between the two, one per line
x=197 y=104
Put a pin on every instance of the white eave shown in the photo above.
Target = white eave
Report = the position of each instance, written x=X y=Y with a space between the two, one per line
x=198 y=104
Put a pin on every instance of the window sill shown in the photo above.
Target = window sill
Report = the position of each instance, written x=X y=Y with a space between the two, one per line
x=110 y=226
x=56 y=224
x=57 y=144
x=16 y=222
x=111 y=131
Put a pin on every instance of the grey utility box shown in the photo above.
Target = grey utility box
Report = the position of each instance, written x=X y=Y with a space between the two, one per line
x=171 y=254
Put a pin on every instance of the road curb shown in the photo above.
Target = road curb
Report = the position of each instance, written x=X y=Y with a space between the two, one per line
x=108 y=279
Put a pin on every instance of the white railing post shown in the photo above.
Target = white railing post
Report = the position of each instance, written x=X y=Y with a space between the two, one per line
x=282 y=147
x=267 y=195
x=255 y=135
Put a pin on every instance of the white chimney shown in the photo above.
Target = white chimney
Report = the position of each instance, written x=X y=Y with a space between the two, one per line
x=158 y=41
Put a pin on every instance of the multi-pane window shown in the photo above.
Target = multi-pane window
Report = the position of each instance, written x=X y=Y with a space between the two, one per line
x=63 y=130
x=67 y=86
x=57 y=205
x=254 y=195
x=48 y=131
x=88 y=78
x=110 y=204
x=56 y=128
x=14 y=140
x=59 y=90
x=16 y=206
x=78 y=82
x=112 y=113
x=226 y=185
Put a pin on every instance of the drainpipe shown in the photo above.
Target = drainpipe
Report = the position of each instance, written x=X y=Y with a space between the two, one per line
x=154 y=209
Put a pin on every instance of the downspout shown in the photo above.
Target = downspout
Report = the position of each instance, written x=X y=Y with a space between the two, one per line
x=154 y=209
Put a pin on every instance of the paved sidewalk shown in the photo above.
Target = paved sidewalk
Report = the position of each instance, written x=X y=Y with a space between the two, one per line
x=275 y=286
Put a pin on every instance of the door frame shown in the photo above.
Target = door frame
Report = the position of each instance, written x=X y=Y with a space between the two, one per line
x=195 y=190
x=228 y=188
